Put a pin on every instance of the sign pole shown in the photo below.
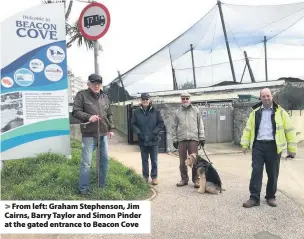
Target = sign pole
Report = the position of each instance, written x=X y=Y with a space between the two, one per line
x=96 y=65
x=96 y=57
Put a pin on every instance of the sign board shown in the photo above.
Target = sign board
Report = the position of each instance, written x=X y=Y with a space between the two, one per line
x=94 y=21
x=34 y=84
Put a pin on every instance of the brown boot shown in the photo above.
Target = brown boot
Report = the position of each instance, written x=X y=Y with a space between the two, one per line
x=182 y=183
x=250 y=203
x=272 y=202
x=154 y=181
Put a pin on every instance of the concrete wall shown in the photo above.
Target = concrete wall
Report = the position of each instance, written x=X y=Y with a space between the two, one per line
x=241 y=112
x=167 y=112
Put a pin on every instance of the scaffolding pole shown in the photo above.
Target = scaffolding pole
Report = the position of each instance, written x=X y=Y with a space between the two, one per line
x=226 y=39
x=265 y=50
x=193 y=65
x=249 y=67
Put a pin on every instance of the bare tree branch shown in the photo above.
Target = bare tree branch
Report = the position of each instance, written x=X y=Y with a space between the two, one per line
x=73 y=30
x=68 y=12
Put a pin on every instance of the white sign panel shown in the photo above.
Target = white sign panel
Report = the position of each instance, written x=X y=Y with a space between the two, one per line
x=34 y=84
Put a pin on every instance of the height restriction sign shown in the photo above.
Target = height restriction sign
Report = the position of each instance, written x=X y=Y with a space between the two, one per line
x=94 y=21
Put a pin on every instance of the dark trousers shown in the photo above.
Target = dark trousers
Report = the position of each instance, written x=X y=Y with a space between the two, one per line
x=264 y=152
x=184 y=147
x=147 y=151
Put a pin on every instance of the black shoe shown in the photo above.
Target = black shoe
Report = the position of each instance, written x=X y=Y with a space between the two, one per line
x=251 y=203
x=271 y=202
x=182 y=183
x=84 y=193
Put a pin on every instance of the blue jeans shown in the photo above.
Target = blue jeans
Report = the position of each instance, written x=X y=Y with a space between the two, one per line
x=89 y=144
x=145 y=152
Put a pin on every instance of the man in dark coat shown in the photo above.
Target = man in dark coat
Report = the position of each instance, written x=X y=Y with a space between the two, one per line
x=92 y=105
x=147 y=123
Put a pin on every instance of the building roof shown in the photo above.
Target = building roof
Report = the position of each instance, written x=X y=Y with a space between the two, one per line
x=207 y=97
x=218 y=93
x=214 y=89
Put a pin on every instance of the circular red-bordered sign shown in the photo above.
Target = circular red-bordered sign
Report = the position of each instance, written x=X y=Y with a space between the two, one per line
x=94 y=21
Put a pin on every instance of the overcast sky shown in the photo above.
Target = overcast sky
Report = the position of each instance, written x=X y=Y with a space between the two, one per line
x=138 y=29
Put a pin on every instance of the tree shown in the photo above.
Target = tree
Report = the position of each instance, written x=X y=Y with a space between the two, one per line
x=76 y=36
x=117 y=93
x=187 y=85
x=290 y=97
x=73 y=30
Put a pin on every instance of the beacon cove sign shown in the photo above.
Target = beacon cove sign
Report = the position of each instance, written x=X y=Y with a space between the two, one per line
x=34 y=83
x=36 y=27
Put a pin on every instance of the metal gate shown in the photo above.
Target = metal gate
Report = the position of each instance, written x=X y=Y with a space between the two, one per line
x=218 y=122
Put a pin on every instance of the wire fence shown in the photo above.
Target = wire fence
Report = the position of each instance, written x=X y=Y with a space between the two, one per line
x=232 y=44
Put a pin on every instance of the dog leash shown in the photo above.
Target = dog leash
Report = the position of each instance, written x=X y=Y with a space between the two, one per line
x=200 y=147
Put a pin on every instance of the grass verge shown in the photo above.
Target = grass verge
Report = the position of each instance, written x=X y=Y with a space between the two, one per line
x=51 y=176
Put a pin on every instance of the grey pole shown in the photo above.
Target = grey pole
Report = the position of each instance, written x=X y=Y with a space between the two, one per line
x=265 y=49
x=193 y=66
x=96 y=64
x=173 y=74
x=96 y=56
x=249 y=67
x=226 y=39
x=243 y=72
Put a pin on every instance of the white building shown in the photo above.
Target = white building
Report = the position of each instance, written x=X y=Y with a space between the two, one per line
x=75 y=84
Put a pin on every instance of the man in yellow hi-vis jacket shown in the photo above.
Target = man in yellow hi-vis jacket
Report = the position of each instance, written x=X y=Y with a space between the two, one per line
x=268 y=131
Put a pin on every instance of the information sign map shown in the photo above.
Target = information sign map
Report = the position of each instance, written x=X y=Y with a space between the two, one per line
x=34 y=84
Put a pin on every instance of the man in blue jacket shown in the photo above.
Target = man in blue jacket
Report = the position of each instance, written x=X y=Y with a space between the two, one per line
x=147 y=123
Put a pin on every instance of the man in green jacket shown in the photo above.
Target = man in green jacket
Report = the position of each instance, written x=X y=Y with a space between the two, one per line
x=92 y=105
x=267 y=131
x=188 y=133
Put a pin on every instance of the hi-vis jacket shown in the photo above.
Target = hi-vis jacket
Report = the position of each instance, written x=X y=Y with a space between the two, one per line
x=283 y=132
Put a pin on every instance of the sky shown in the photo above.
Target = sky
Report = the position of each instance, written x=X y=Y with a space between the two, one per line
x=137 y=30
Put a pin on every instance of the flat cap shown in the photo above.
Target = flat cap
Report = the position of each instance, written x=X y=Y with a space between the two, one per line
x=145 y=96
x=95 y=78
x=185 y=94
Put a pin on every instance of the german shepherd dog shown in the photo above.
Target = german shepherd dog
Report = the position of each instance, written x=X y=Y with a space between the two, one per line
x=210 y=180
